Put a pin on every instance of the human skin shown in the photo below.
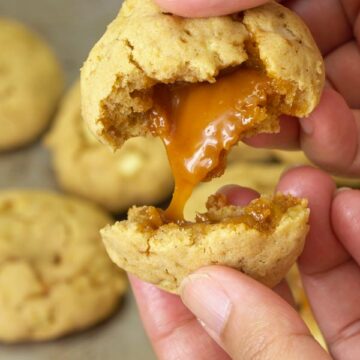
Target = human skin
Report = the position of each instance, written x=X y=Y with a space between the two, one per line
x=222 y=313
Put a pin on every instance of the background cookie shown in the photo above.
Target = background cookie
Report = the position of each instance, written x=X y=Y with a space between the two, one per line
x=138 y=173
x=31 y=83
x=55 y=277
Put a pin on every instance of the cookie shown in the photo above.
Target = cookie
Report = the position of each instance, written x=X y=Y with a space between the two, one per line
x=165 y=253
x=31 y=83
x=144 y=47
x=260 y=177
x=55 y=276
x=293 y=158
x=137 y=174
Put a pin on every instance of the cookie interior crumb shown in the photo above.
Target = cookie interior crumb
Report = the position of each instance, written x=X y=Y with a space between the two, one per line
x=262 y=214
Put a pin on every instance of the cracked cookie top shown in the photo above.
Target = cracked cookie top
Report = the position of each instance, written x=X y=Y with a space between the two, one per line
x=55 y=276
x=144 y=47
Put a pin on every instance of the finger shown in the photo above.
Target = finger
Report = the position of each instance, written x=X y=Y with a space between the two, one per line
x=346 y=220
x=346 y=223
x=241 y=196
x=173 y=330
x=318 y=15
x=330 y=136
x=343 y=69
x=331 y=278
x=248 y=320
x=202 y=8
x=284 y=291
x=287 y=138
x=238 y=195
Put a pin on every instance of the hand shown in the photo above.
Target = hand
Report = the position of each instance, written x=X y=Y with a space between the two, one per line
x=330 y=137
x=245 y=320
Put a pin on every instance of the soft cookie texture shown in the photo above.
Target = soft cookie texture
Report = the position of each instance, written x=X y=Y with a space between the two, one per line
x=31 y=83
x=165 y=255
x=144 y=46
x=55 y=276
x=137 y=174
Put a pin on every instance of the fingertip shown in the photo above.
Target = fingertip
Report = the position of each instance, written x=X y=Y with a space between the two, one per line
x=237 y=195
x=346 y=210
x=305 y=181
x=287 y=138
x=204 y=8
x=329 y=136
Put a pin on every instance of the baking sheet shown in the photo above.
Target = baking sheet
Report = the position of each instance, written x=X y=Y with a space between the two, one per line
x=71 y=27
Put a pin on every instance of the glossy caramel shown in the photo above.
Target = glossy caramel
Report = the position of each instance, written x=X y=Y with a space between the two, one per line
x=199 y=123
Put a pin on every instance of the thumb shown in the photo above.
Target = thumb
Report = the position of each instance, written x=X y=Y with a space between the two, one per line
x=247 y=319
x=197 y=8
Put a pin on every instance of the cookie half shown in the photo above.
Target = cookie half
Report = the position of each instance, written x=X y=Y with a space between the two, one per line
x=144 y=47
x=137 y=174
x=262 y=240
x=55 y=276
x=31 y=83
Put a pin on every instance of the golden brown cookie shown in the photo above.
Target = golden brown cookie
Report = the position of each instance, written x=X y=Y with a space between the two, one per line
x=31 y=83
x=260 y=177
x=138 y=173
x=164 y=254
x=55 y=276
x=144 y=47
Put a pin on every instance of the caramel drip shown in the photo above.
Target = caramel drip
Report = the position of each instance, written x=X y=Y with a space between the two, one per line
x=199 y=123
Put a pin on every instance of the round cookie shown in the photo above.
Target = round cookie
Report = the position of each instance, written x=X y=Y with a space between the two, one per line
x=138 y=173
x=260 y=177
x=263 y=240
x=143 y=47
x=31 y=83
x=55 y=276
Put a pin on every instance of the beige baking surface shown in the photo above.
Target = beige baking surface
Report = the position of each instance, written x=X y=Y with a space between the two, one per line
x=71 y=27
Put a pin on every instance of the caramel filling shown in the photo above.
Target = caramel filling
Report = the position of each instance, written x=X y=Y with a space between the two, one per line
x=262 y=214
x=199 y=123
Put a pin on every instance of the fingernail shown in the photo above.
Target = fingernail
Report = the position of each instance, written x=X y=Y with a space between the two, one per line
x=207 y=301
x=307 y=125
